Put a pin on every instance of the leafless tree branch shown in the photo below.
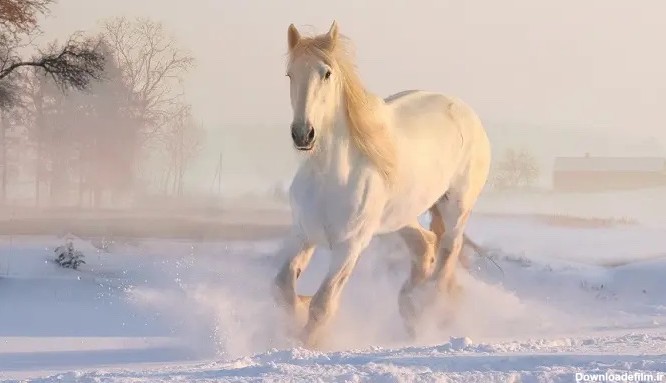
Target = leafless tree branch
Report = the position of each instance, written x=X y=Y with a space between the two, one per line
x=73 y=65
x=20 y=16
x=152 y=65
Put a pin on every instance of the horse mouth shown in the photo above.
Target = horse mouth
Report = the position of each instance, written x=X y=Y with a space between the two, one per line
x=304 y=148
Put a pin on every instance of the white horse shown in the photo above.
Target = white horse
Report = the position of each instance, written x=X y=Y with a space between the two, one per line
x=373 y=166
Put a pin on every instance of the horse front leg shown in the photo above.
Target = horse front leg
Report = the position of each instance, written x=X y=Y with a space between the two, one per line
x=297 y=254
x=326 y=300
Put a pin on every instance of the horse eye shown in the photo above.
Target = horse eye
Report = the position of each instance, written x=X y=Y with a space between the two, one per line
x=327 y=75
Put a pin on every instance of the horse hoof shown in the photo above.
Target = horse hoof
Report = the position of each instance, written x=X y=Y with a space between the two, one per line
x=410 y=330
x=310 y=343
x=305 y=299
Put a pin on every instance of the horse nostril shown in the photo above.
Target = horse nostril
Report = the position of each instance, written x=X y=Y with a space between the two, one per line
x=311 y=134
x=293 y=135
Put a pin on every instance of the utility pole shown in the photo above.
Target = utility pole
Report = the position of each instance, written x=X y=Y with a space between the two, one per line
x=218 y=177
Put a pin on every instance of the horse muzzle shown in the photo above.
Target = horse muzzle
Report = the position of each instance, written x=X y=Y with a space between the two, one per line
x=303 y=136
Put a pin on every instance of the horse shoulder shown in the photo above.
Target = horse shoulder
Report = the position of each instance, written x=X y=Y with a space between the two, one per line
x=301 y=191
x=367 y=196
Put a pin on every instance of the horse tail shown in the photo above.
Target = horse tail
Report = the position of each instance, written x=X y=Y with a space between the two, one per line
x=473 y=245
x=480 y=251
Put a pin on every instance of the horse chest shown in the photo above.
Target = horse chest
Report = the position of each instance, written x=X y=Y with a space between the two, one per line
x=329 y=213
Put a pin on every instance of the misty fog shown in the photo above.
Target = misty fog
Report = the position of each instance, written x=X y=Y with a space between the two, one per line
x=549 y=79
x=559 y=77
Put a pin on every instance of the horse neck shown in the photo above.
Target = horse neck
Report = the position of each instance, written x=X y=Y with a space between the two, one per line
x=336 y=154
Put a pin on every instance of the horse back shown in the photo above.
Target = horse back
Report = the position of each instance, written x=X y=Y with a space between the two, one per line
x=420 y=109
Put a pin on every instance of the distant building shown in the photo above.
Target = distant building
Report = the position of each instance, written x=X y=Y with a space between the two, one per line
x=591 y=174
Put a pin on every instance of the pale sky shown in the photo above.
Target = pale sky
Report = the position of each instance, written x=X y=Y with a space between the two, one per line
x=565 y=64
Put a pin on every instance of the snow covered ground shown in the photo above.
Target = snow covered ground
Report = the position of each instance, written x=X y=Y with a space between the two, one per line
x=161 y=310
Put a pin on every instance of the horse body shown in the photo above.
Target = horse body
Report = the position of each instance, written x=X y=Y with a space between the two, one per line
x=436 y=136
x=374 y=166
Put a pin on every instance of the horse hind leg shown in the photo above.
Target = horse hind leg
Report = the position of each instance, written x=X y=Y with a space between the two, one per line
x=436 y=224
x=451 y=244
x=421 y=244
x=455 y=208
x=438 y=228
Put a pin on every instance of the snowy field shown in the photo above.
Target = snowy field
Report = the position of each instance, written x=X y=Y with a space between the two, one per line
x=568 y=299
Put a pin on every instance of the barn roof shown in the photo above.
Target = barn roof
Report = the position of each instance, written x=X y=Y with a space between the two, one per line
x=610 y=164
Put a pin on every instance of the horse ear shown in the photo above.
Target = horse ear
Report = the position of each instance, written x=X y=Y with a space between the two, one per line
x=331 y=38
x=293 y=36
x=333 y=32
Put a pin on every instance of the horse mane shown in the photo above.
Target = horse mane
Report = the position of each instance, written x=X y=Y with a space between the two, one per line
x=366 y=127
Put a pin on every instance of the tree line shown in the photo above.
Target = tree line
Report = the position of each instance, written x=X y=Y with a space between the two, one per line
x=96 y=119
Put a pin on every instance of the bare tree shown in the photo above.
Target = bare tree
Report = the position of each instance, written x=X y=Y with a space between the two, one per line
x=8 y=94
x=73 y=64
x=152 y=66
x=12 y=128
x=107 y=139
x=85 y=139
x=516 y=168
x=183 y=140
x=20 y=16
x=4 y=146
